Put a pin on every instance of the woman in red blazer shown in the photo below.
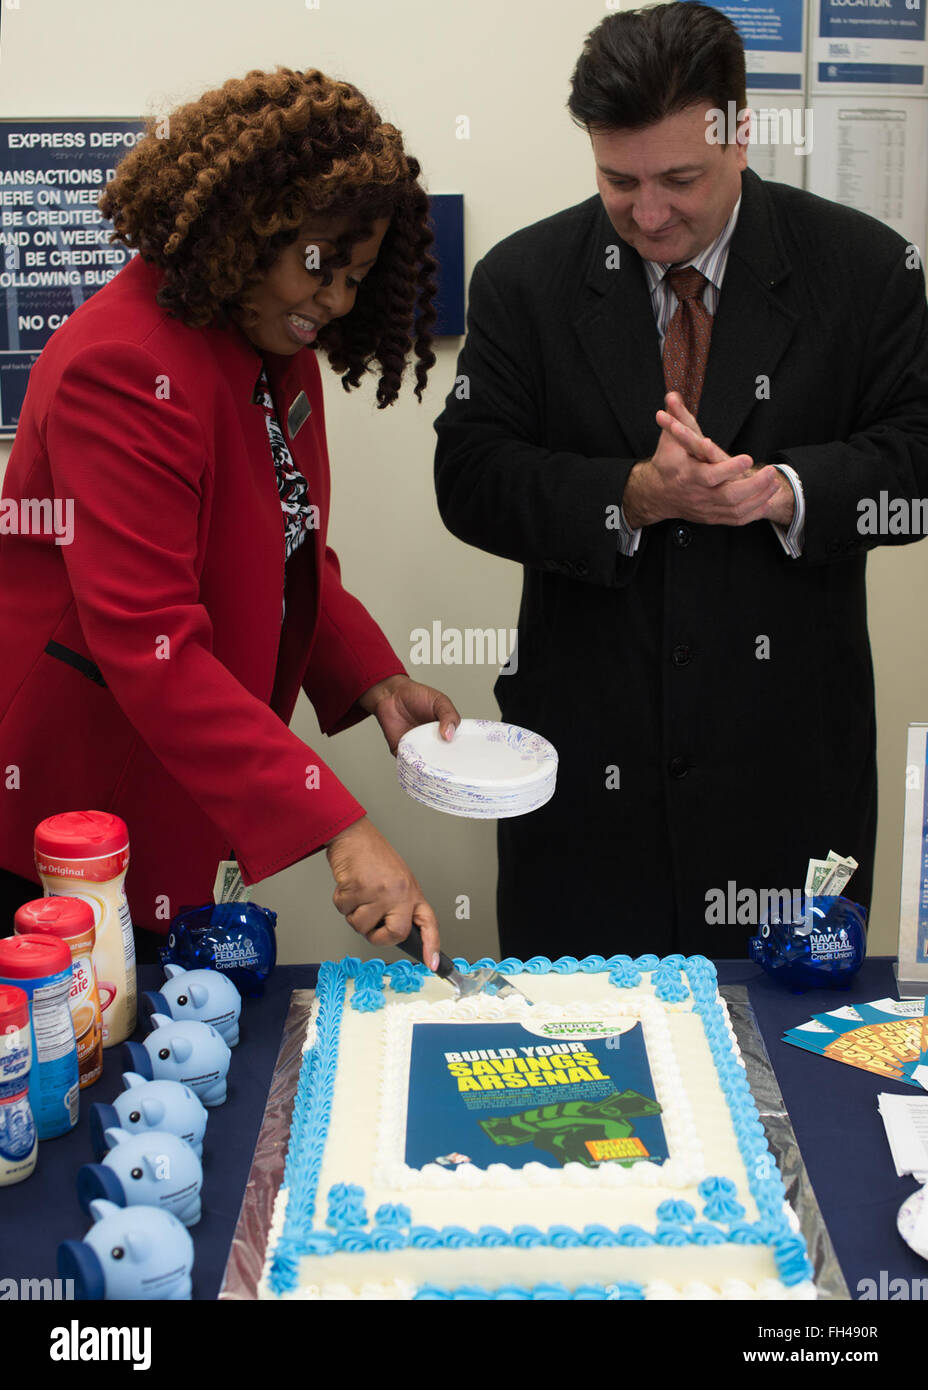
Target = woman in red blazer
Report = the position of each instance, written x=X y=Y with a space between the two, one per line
x=153 y=651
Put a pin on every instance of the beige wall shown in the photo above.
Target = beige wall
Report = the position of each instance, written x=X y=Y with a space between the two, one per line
x=423 y=63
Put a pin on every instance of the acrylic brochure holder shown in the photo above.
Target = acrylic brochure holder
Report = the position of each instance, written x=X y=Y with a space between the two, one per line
x=912 y=965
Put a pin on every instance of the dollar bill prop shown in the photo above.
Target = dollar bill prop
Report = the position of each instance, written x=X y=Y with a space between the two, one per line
x=828 y=878
x=229 y=887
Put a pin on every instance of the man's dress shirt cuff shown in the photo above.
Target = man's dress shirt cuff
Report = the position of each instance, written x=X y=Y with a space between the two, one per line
x=792 y=537
x=627 y=537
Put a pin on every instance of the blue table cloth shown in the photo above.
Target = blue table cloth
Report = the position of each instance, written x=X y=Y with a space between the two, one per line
x=833 y=1109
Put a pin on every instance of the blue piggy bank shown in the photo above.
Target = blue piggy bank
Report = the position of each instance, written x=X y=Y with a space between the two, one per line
x=177 y=1050
x=826 y=947
x=205 y=995
x=131 y=1253
x=150 y=1105
x=152 y=1169
x=234 y=938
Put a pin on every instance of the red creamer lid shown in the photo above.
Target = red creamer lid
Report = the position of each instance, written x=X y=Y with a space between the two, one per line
x=27 y=957
x=14 y=1007
x=54 y=916
x=81 y=834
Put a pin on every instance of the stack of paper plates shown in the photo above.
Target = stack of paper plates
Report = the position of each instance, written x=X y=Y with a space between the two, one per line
x=488 y=770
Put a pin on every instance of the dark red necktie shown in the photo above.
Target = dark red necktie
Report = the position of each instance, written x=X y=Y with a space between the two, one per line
x=686 y=343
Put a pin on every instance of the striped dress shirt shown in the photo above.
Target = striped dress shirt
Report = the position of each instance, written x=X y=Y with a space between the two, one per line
x=711 y=263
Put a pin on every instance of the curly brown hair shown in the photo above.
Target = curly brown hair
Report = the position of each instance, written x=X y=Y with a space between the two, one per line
x=213 y=193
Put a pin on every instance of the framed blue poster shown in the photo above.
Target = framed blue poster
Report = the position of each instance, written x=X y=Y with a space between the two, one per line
x=54 y=244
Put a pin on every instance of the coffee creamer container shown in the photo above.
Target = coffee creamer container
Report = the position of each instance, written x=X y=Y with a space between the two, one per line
x=85 y=854
x=41 y=966
x=18 y=1139
x=71 y=921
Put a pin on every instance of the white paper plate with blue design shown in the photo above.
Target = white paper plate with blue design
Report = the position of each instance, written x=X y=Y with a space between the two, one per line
x=910 y=1222
x=487 y=771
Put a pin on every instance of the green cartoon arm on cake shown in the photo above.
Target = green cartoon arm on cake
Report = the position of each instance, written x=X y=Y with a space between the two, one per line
x=579 y=1131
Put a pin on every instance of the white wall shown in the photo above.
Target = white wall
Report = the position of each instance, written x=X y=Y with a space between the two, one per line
x=423 y=63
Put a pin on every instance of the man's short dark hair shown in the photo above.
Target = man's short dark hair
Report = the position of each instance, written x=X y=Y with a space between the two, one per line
x=640 y=66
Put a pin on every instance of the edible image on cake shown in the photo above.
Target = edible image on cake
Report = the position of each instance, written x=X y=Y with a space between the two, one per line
x=485 y=1093
x=580 y=1131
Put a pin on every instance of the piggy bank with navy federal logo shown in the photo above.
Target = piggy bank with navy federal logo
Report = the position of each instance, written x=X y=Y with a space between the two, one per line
x=825 y=947
x=182 y=1050
x=129 y=1253
x=235 y=938
x=153 y=1169
x=206 y=995
x=150 y=1105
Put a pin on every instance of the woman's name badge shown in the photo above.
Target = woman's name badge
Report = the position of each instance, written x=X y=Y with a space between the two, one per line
x=298 y=414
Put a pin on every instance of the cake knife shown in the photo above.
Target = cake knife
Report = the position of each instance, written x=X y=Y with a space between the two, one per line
x=482 y=981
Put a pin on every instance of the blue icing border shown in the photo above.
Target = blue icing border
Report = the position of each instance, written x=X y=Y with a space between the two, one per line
x=368 y=987
x=790 y=1254
x=312 y=1107
x=391 y=1229
x=615 y=1292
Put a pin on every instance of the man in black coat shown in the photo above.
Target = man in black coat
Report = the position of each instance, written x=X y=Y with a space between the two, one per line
x=692 y=632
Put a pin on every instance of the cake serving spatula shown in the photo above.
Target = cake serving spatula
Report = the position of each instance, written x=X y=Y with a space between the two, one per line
x=482 y=981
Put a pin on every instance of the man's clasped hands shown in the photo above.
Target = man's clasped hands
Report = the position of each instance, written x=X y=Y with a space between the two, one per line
x=690 y=477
